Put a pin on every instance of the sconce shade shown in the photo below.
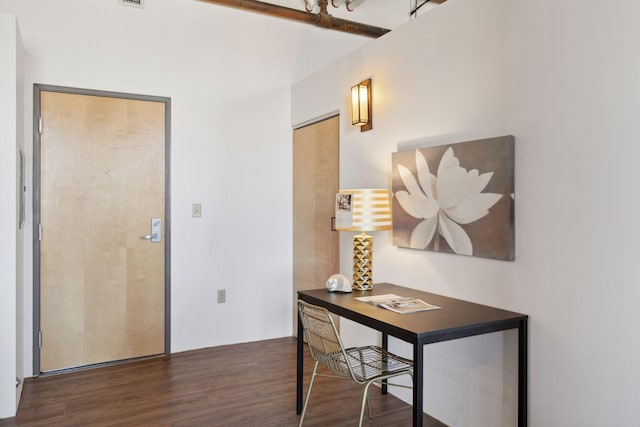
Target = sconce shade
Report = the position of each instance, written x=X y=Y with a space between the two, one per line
x=361 y=105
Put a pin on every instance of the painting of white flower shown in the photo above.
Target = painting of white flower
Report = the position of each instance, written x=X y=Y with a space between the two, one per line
x=442 y=211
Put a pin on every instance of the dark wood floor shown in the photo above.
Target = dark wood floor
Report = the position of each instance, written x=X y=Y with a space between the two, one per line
x=238 y=385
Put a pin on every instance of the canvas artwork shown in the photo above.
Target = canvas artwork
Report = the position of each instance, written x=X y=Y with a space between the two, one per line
x=456 y=198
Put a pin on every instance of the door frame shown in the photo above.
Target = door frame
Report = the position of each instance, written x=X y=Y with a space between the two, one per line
x=37 y=89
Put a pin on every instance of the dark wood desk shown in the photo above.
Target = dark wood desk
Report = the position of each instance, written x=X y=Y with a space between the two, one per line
x=456 y=319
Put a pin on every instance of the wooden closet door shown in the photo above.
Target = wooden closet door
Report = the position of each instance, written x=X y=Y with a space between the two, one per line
x=102 y=181
x=316 y=178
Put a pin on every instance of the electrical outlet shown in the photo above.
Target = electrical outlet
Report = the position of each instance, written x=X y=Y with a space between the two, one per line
x=196 y=210
x=222 y=296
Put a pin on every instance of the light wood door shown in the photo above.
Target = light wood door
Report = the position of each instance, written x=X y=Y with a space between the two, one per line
x=102 y=181
x=316 y=178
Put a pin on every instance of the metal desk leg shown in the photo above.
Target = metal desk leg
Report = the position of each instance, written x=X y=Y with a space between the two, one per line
x=418 y=369
x=299 y=368
x=522 y=373
x=385 y=345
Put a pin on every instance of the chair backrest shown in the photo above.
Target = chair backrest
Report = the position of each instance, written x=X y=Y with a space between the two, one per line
x=323 y=339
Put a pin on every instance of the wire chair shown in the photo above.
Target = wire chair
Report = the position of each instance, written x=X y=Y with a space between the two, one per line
x=364 y=365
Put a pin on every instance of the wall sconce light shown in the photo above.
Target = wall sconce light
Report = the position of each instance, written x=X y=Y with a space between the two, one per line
x=361 y=105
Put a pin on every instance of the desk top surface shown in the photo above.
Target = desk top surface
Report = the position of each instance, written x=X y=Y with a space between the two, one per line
x=455 y=319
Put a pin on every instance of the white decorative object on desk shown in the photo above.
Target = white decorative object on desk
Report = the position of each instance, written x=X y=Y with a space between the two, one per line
x=338 y=283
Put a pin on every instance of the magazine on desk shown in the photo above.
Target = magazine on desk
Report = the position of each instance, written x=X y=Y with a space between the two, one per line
x=398 y=304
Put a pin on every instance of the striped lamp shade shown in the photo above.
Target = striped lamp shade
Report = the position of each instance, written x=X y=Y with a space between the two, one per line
x=363 y=210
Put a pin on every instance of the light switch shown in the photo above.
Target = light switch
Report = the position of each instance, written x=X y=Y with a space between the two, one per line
x=196 y=210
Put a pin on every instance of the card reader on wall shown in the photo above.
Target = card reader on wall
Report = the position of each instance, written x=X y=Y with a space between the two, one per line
x=338 y=283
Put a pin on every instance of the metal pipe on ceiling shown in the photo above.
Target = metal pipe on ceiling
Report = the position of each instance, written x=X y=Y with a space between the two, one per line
x=322 y=19
x=352 y=4
x=413 y=10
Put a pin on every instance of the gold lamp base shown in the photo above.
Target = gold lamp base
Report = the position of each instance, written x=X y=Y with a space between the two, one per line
x=362 y=262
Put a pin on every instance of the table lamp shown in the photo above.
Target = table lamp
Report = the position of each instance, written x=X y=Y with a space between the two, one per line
x=363 y=210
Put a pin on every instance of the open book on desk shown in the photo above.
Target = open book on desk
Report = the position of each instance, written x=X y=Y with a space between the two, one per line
x=398 y=304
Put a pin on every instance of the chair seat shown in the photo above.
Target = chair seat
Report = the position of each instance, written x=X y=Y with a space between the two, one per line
x=370 y=362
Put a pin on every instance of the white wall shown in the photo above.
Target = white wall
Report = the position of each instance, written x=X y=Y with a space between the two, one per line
x=228 y=73
x=10 y=67
x=562 y=77
x=20 y=233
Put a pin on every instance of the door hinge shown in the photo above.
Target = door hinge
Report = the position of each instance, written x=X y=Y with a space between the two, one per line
x=40 y=125
x=39 y=339
x=39 y=232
